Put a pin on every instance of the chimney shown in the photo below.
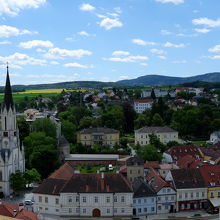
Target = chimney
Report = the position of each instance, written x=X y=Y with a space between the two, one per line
x=102 y=182
x=102 y=175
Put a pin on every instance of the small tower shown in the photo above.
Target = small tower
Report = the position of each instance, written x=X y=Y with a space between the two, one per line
x=11 y=153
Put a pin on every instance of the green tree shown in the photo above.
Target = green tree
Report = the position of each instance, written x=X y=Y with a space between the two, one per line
x=157 y=120
x=155 y=141
x=44 y=125
x=141 y=121
x=153 y=96
x=149 y=153
x=129 y=116
x=69 y=131
x=31 y=176
x=86 y=122
x=24 y=128
x=17 y=181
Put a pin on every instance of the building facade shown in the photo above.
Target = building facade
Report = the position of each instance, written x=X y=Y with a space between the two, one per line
x=103 y=136
x=140 y=105
x=11 y=152
x=165 y=135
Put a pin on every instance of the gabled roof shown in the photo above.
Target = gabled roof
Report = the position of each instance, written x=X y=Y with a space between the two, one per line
x=142 y=189
x=152 y=164
x=95 y=183
x=188 y=161
x=134 y=161
x=187 y=178
x=210 y=174
x=177 y=152
x=212 y=151
x=154 y=130
x=8 y=209
x=98 y=130
x=155 y=181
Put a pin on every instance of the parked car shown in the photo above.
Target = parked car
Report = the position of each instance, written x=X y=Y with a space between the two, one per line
x=28 y=202
x=212 y=210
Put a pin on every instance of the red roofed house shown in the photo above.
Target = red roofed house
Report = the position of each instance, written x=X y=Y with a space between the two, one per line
x=166 y=194
x=175 y=153
x=189 y=161
x=15 y=211
x=84 y=195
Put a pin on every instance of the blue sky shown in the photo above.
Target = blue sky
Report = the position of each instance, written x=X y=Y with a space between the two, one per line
x=48 y=41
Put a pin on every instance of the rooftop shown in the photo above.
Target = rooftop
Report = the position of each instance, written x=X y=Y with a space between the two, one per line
x=154 y=130
x=101 y=130
x=77 y=157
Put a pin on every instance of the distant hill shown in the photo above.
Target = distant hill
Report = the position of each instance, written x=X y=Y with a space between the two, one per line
x=153 y=80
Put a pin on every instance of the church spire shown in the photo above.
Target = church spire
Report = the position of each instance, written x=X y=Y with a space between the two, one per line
x=8 y=100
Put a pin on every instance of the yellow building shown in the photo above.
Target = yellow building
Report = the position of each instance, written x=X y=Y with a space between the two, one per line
x=165 y=135
x=103 y=136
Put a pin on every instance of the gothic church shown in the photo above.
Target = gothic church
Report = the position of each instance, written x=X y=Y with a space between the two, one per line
x=11 y=152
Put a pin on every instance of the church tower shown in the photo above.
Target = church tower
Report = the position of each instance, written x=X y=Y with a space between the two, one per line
x=11 y=153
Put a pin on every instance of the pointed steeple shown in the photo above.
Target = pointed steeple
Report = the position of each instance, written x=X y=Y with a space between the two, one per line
x=8 y=100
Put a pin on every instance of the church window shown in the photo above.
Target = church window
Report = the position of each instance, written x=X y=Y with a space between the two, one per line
x=5 y=123
x=15 y=133
x=0 y=175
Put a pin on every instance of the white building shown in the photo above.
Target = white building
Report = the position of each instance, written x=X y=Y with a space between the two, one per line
x=11 y=153
x=215 y=137
x=84 y=195
x=140 y=105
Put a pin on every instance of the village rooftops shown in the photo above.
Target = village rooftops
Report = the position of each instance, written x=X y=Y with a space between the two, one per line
x=101 y=130
x=187 y=178
x=135 y=161
x=154 y=130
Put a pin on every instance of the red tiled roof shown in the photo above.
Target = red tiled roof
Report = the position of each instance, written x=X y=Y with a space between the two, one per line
x=65 y=172
x=211 y=174
x=177 y=152
x=212 y=151
x=7 y=209
x=188 y=161
x=156 y=182
x=152 y=164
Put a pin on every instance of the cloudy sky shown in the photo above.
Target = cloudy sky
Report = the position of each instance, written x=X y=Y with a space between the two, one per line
x=48 y=41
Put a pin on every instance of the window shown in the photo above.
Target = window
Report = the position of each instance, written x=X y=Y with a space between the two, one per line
x=152 y=199
x=159 y=207
x=70 y=210
x=158 y=198
x=77 y=210
x=46 y=209
x=130 y=171
x=84 y=211
x=116 y=199
x=108 y=210
x=218 y=194
x=203 y=194
x=5 y=134
x=168 y=190
x=84 y=199
x=107 y=199
x=122 y=210
x=197 y=194
x=139 y=210
x=212 y=195
x=139 y=200
x=70 y=200
x=191 y=194
x=115 y=210
x=166 y=206
x=40 y=198
x=186 y=195
x=166 y=198
x=122 y=199
x=77 y=198
x=134 y=201
x=46 y=199
x=152 y=209
x=96 y=199
x=40 y=208
x=172 y=197
x=57 y=201
x=145 y=200
x=57 y=210
x=139 y=171
x=180 y=196
x=145 y=209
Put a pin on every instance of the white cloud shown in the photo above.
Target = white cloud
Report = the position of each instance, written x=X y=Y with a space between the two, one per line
x=86 y=7
x=168 y=44
x=118 y=10
x=5 y=42
x=176 y=2
x=36 y=43
x=57 y=53
x=22 y=59
x=83 y=33
x=143 y=64
x=142 y=42
x=206 y=22
x=157 y=51
x=54 y=62
x=215 y=49
x=217 y=57
x=13 y=7
x=202 y=30
x=109 y=23
x=120 y=53
x=78 y=65
x=128 y=59
x=123 y=77
x=9 y=31
x=179 y=61
x=162 y=57
x=165 y=32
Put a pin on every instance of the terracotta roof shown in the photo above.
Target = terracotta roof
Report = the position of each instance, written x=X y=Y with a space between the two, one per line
x=98 y=130
x=168 y=166
x=51 y=186
x=177 y=152
x=154 y=130
x=153 y=164
x=156 y=182
x=211 y=174
x=7 y=209
x=94 y=183
x=142 y=189
x=143 y=100
x=65 y=172
x=188 y=161
x=187 y=178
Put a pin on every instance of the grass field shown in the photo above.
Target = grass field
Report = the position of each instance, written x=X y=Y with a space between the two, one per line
x=45 y=91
